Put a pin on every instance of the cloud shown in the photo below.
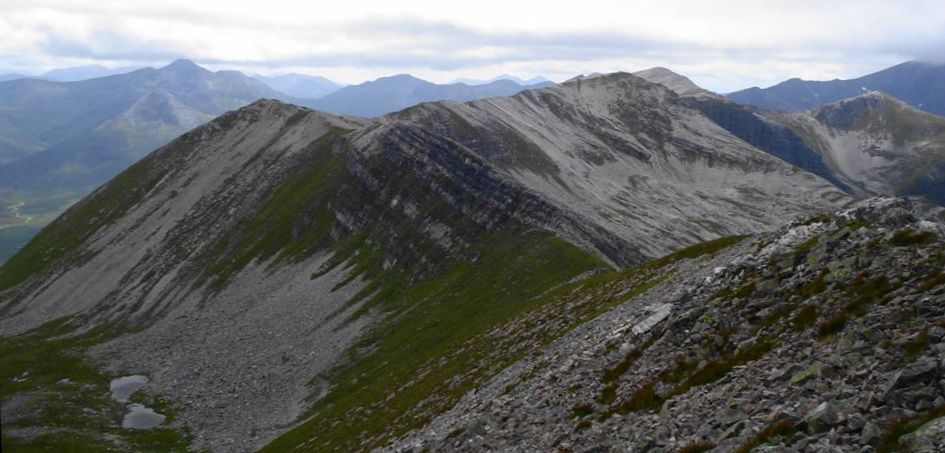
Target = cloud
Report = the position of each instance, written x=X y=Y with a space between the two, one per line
x=723 y=45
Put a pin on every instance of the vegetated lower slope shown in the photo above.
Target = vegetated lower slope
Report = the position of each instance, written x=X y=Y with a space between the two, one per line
x=825 y=335
x=877 y=143
x=282 y=268
x=920 y=84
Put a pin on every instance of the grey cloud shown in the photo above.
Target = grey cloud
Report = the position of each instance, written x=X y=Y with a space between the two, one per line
x=438 y=45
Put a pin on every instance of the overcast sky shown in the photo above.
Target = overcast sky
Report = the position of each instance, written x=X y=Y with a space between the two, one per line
x=721 y=45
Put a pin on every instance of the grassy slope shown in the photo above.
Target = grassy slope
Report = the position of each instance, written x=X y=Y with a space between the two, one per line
x=456 y=331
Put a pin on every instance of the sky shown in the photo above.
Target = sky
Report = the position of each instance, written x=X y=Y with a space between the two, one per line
x=722 y=45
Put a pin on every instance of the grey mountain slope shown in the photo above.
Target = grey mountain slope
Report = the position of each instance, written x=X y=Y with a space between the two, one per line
x=920 y=84
x=746 y=123
x=679 y=84
x=877 y=143
x=766 y=346
x=264 y=227
x=630 y=156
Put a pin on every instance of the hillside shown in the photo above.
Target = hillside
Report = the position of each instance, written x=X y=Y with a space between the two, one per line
x=358 y=264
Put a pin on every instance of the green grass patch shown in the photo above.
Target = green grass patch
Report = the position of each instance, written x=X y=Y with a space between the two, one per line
x=293 y=222
x=582 y=410
x=697 y=447
x=814 y=287
x=889 y=442
x=804 y=318
x=781 y=428
x=861 y=294
x=912 y=348
x=908 y=236
x=932 y=280
x=808 y=244
x=701 y=249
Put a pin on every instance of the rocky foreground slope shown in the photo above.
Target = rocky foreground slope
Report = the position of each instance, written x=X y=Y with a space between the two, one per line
x=826 y=335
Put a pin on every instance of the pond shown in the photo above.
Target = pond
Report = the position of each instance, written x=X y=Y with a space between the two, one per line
x=123 y=387
x=139 y=416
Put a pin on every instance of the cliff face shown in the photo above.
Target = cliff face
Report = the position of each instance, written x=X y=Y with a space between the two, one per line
x=827 y=334
x=282 y=268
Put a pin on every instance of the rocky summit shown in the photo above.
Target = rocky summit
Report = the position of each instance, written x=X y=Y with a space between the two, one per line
x=585 y=266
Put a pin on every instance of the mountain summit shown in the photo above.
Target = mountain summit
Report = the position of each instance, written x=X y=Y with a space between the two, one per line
x=679 y=84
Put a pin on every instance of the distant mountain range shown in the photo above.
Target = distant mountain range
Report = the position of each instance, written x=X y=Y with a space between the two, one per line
x=300 y=85
x=919 y=84
x=390 y=94
x=71 y=74
x=79 y=134
x=59 y=140
x=532 y=81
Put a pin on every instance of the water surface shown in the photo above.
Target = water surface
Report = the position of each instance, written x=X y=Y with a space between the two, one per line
x=123 y=387
x=141 y=417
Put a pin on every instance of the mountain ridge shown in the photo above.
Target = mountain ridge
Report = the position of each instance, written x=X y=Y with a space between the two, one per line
x=917 y=83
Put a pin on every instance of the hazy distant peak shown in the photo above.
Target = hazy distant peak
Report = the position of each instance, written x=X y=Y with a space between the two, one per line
x=182 y=65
